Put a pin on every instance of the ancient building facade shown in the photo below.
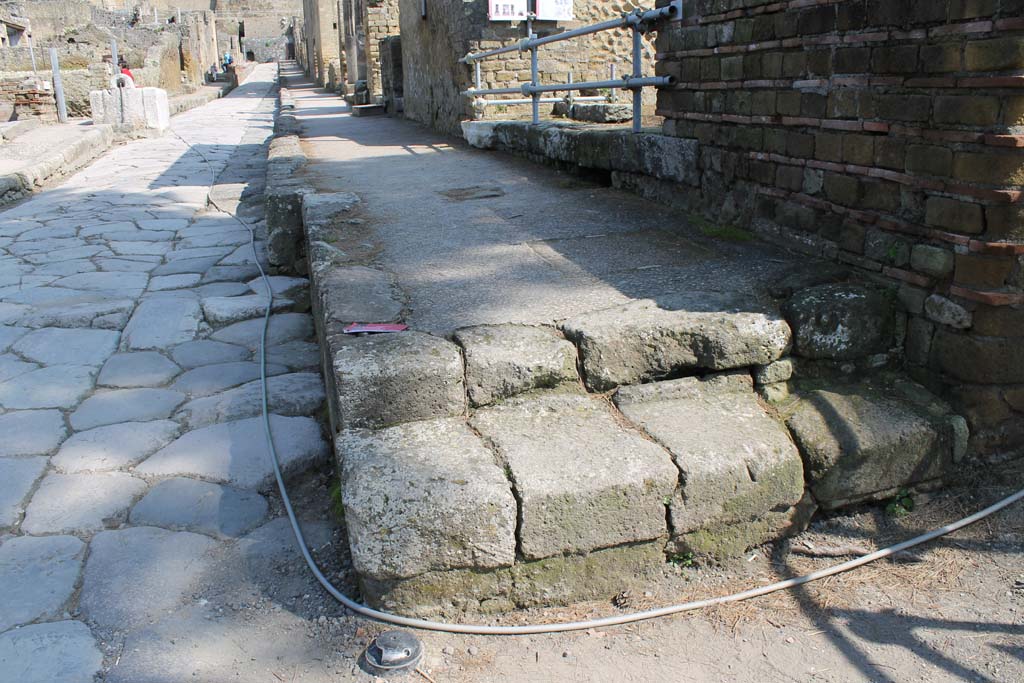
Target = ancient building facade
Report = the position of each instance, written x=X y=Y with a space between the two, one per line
x=890 y=137
x=320 y=37
x=433 y=44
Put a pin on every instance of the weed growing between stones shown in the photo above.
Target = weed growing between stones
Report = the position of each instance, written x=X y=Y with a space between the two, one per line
x=730 y=233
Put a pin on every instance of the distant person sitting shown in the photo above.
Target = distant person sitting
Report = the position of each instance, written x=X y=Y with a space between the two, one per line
x=125 y=71
x=228 y=60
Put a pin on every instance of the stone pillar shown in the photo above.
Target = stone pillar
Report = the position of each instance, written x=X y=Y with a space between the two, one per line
x=136 y=112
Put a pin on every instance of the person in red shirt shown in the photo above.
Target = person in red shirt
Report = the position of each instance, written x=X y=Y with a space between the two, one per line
x=126 y=71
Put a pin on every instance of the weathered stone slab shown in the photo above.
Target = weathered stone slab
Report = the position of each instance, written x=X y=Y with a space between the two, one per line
x=19 y=475
x=31 y=432
x=138 y=574
x=284 y=327
x=186 y=265
x=81 y=503
x=300 y=393
x=56 y=346
x=394 y=378
x=190 y=505
x=210 y=379
x=241 y=273
x=201 y=352
x=840 y=321
x=221 y=310
x=737 y=463
x=863 y=442
x=10 y=334
x=138 y=369
x=297 y=355
x=358 y=294
x=221 y=289
x=398 y=527
x=236 y=452
x=60 y=386
x=162 y=322
x=505 y=360
x=113 y=447
x=583 y=481
x=62 y=651
x=281 y=285
x=163 y=282
x=125 y=405
x=129 y=284
x=645 y=340
x=38 y=576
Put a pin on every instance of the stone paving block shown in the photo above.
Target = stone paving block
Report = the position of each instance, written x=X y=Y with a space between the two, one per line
x=737 y=462
x=235 y=453
x=281 y=285
x=190 y=265
x=123 y=265
x=114 y=447
x=137 y=369
x=358 y=294
x=31 y=432
x=201 y=352
x=129 y=284
x=297 y=355
x=221 y=289
x=646 y=340
x=864 y=442
x=161 y=323
x=11 y=366
x=583 y=481
x=136 y=575
x=60 y=386
x=394 y=378
x=242 y=273
x=505 y=360
x=125 y=405
x=81 y=503
x=82 y=310
x=840 y=321
x=62 y=651
x=294 y=394
x=18 y=475
x=284 y=327
x=182 y=280
x=222 y=310
x=422 y=497
x=210 y=379
x=190 y=505
x=55 y=346
x=38 y=576
x=10 y=334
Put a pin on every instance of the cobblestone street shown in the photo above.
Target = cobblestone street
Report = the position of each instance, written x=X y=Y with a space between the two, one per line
x=132 y=450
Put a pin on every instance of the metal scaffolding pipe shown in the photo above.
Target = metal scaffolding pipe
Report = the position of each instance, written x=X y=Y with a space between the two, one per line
x=626 y=83
x=544 y=100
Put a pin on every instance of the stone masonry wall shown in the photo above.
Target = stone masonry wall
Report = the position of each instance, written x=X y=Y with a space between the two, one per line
x=381 y=21
x=888 y=135
x=432 y=46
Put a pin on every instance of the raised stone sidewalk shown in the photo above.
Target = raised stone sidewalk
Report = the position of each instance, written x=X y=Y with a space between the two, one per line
x=588 y=386
x=132 y=456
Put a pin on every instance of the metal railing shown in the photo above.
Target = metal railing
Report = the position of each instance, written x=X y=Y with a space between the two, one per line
x=639 y=21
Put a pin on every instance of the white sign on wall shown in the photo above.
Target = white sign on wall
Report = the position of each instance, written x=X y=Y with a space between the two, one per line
x=555 y=10
x=506 y=10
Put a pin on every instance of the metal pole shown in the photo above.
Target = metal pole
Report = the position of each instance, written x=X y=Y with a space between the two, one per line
x=32 y=53
x=58 y=87
x=614 y=93
x=637 y=92
x=179 y=15
x=477 y=79
x=156 y=20
x=534 y=77
x=569 y=96
x=114 y=61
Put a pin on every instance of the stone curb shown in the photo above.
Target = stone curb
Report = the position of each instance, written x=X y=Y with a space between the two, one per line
x=93 y=143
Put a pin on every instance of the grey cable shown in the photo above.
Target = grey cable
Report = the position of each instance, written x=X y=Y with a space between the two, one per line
x=484 y=629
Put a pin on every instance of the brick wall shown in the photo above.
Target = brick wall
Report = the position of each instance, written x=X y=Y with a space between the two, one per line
x=888 y=135
x=381 y=21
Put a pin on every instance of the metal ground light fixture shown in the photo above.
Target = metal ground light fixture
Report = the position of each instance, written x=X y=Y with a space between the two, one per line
x=639 y=20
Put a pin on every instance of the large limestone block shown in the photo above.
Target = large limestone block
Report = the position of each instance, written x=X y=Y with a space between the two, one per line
x=505 y=360
x=862 y=442
x=133 y=110
x=738 y=464
x=583 y=480
x=422 y=497
x=645 y=340
x=840 y=321
x=389 y=379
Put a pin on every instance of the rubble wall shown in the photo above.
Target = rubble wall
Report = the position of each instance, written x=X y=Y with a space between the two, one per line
x=888 y=136
x=432 y=46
